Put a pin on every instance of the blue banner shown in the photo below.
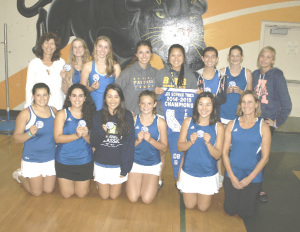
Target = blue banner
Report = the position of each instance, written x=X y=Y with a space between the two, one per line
x=177 y=105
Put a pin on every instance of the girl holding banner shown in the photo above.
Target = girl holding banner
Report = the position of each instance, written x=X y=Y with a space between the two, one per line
x=176 y=84
x=74 y=155
x=150 y=139
x=34 y=128
x=112 y=136
x=201 y=138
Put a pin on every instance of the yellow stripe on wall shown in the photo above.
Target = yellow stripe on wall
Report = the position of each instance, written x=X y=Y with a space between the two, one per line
x=216 y=7
x=245 y=29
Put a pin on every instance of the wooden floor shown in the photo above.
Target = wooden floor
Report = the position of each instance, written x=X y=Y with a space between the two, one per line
x=22 y=212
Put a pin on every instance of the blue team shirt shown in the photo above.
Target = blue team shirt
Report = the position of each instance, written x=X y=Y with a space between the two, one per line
x=104 y=81
x=77 y=152
x=245 y=151
x=145 y=153
x=228 y=109
x=41 y=147
x=198 y=162
x=76 y=77
x=212 y=85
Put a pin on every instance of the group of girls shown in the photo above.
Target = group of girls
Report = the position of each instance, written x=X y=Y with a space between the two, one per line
x=122 y=142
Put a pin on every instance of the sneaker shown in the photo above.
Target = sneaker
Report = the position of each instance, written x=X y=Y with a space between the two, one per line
x=221 y=178
x=160 y=184
x=263 y=197
x=16 y=175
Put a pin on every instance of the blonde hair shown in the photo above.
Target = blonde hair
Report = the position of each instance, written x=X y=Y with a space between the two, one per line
x=72 y=60
x=239 y=111
x=266 y=49
x=110 y=62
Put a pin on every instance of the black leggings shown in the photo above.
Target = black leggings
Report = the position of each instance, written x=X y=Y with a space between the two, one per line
x=240 y=202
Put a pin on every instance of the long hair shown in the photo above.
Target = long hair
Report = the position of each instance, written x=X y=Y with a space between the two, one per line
x=213 y=118
x=149 y=94
x=88 y=108
x=72 y=60
x=239 y=111
x=120 y=111
x=266 y=49
x=140 y=43
x=46 y=37
x=110 y=62
x=237 y=47
x=181 y=73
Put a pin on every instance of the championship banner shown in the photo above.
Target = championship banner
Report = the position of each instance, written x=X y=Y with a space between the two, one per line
x=177 y=105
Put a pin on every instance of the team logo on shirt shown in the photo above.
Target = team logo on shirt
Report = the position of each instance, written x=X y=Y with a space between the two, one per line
x=39 y=124
x=207 y=89
x=69 y=119
x=96 y=77
x=200 y=133
x=235 y=130
x=137 y=127
x=192 y=127
x=231 y=83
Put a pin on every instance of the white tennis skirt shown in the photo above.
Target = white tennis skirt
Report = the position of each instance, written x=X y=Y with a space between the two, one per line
x=202 y=185
x=33 y=169
x=108 y=175
x=153 y=170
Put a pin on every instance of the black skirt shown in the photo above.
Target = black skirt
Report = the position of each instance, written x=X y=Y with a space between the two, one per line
x=75 y=172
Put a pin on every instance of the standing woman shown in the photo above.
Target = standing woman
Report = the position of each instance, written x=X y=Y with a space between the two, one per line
x=112 y=136
x=102 y=71
x=74 y=155
x=176 y=74
x=150 y=139
x=270 y=85
x=46 y=68
x=246 y=152
x=137 y=77
x=34 y=128
x=239 y=79
x=201 y=138
x=79 y=55
x=211 y=79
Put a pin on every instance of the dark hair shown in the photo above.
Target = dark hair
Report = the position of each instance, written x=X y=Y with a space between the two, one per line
x=236 y=47
x=88 y=107
x=213 y=118
x=120 y=111
x=140 y=43
x=40 y=86
x=150 y=94
x=46 y=37
x=181 y=73
x=210 y=49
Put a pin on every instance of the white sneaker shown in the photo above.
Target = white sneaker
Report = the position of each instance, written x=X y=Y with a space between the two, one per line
x=16 y=175
x=221 y=178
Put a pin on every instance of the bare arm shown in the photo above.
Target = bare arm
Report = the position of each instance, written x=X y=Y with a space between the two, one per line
x=117 y=68
x=249 y=80
x=20 y=136
x=183 y=143
x=84 y=79
x=59 y=123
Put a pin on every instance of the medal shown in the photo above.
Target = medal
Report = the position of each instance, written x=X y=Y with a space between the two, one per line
x=232 y=83
x=96 y=77
x=39 y=124
x=145 y=129
x=82 y=123
x=200 y=133
x=67 y=67
x=110 y=125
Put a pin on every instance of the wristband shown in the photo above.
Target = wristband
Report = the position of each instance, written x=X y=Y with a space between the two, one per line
x=30 y=135
x=251 y=174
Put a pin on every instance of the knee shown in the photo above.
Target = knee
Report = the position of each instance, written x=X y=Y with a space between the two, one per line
x=82 y=195
x=114 y=196
x=66 y=195
x=189 y=205
x=103 y=196
x=36 y=193
x=147 y=200
x=203 y=208
x=132 y=198
x=48 y=190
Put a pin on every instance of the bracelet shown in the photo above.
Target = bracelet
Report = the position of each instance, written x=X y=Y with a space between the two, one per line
x=251 y=174
x=30 y=135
